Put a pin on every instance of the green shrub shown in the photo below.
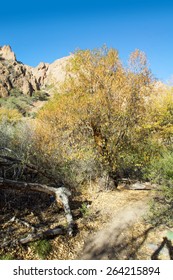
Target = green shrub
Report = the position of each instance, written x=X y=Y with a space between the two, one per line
x=20 y=102
x=15 y=92
x=42 y=248
x=7 y=257
x=161 y=172
x=39 y=96
x=84 y=209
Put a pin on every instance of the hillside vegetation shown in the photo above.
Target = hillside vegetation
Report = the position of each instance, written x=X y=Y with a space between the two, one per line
x=106 y=123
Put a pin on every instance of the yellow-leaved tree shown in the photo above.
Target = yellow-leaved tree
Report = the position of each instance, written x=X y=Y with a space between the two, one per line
x=101 y=112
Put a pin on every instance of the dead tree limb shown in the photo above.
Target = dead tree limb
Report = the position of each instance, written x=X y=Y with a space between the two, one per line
x=35 y=236
x=61 y=195
x=22 y=222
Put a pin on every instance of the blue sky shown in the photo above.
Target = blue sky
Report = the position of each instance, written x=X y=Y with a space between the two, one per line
x=46 y=30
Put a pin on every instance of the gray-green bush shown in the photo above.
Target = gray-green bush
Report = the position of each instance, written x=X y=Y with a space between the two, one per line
x=161 y=173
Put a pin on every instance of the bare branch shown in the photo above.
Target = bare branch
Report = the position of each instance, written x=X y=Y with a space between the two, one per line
x=61 y=195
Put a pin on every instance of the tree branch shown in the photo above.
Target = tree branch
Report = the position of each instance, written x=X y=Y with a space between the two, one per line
x=61 y=195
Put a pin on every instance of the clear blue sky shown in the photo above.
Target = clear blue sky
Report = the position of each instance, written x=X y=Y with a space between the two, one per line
x=39 y=30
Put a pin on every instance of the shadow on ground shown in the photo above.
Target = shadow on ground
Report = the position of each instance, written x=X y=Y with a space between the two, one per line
x=114 y=242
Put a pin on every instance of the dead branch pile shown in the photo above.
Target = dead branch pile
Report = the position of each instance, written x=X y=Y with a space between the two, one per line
x=61 y=195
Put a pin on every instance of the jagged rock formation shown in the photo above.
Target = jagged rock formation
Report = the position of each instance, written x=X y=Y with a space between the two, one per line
x=7 y=53
x=40 y=73
x=27 y=79
x=15 y=75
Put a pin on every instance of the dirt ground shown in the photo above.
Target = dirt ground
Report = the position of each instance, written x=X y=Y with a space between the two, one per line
x=109 y=225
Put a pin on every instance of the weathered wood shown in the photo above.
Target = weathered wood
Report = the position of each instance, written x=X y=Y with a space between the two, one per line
x=35 y=236
x=61 y=195
x=22 y=222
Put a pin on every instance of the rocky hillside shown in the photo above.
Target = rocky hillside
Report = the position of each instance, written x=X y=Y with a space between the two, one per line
x=15 y=75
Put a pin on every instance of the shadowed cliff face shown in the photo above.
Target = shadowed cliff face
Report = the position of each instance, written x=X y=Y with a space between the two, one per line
x=27 y=79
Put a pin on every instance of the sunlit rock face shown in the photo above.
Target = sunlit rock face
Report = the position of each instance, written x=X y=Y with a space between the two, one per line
x=7 y=53
x=15 y=75
x=27 y=79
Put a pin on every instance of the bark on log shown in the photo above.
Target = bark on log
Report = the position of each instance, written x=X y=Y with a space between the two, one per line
x=35 y=236
x=61 y=195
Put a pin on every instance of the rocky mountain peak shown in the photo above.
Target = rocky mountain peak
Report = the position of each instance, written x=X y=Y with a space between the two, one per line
x=15 y=75
x=7 y=53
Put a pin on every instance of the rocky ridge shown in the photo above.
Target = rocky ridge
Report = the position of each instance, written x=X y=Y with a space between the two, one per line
x=15 y=75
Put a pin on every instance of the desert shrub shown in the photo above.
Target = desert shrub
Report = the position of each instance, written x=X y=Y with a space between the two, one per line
x=20 y=102
x=40 y=96
x=42 y=248
x=15 y=92
x=7 y=257
x=84 y=210
x=9 y=115
x=22 y=142
x=161 y=172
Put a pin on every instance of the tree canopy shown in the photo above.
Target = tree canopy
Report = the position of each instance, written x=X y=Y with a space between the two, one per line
x=103 y=107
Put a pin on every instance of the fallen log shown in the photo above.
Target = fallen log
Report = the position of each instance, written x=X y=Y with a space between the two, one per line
x=61 y=196
x=35 y=236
